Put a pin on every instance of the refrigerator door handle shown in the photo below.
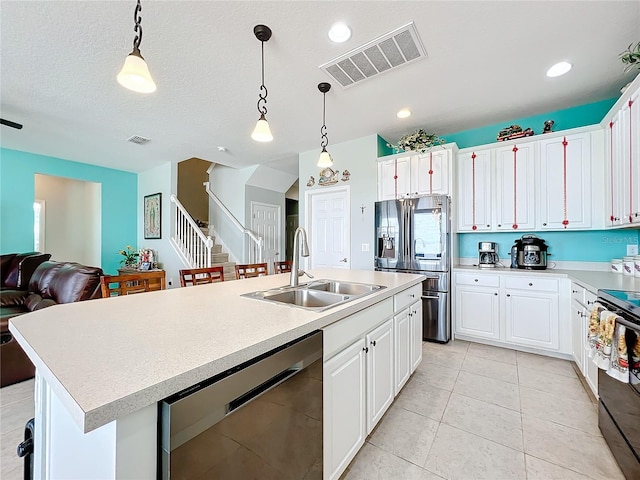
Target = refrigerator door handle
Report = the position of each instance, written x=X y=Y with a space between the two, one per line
x=430 y=296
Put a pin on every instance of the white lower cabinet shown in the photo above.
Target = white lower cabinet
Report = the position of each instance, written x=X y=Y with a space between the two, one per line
x=344 y=408
x=367 y=358
x=415 y=319
x=402 y=329
x=582 y=303
x=519 y=310
x=380 y=372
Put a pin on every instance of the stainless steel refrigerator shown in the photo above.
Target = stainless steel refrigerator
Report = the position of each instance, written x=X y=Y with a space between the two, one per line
x=413 y=236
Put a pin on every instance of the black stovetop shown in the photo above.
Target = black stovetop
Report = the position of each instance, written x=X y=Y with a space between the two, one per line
x=628 y=302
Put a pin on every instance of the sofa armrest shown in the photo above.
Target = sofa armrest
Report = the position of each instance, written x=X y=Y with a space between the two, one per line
x=27 y=266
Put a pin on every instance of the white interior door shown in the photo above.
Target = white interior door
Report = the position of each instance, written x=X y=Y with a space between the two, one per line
x=328 y=225
x=265 y=222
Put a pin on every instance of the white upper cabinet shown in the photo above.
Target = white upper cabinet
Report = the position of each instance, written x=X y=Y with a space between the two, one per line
x=474 y=191
x=418 y=174
x=394 y=178
x=515 y=183
x=565 y=200
x=622 y=164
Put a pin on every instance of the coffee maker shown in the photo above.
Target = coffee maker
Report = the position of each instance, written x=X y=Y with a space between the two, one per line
x=487 y=255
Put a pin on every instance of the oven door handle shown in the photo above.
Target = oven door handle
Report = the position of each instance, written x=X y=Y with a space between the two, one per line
x=628 y=324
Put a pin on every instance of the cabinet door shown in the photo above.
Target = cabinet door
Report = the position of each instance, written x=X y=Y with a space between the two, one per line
x=614 y=144
x=477 y=312
x=634 y=161
x=532 y=318
x=402 y=336
x=430 y=172
x=415 y=319
x=344 y=393
x=474 y=193
x=625 y=148
x=564 y=198
x=380 y=384
x=389 y=187
x=578 y=335
x=515 y=182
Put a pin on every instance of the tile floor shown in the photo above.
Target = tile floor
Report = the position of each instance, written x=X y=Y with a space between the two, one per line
x=470 y=411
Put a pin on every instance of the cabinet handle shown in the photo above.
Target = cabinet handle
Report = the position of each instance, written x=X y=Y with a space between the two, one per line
x=476 y=280
x=499 y=225
x=574 y=291
x=531 y=284
x=365 y=349
x=488 y=226
x=496 y=294
x=589 y=302
x=373 y=342
x=508 y=294
x=544 y=224
x=413 y=295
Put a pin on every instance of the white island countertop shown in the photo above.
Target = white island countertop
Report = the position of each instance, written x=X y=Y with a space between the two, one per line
x=110 y=357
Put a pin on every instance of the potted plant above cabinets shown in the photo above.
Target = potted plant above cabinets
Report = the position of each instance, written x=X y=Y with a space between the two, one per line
x=421 y=165
x=630 y=58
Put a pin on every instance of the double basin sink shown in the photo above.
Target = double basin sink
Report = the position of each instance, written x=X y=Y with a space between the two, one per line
x=317 y=295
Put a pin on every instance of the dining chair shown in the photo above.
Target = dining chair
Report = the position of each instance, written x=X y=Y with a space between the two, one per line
x=248 y=270
x=200 y=276
x=282 y=267
x=116 y=285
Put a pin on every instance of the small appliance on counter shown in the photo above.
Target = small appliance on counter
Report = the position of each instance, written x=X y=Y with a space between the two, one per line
x=530 y=253
x=488 y=255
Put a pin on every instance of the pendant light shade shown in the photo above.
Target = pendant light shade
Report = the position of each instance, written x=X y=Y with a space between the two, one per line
x=262 y=132
x=325 y=159
x=135 y=73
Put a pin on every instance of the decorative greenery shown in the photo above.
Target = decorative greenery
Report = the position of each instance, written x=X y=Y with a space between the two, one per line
x=631 y=57
x=130 y=256
x=418 y=141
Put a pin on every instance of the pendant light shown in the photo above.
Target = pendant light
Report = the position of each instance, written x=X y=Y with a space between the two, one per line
x=325 y=159
x=262 y=132
x=135 y=73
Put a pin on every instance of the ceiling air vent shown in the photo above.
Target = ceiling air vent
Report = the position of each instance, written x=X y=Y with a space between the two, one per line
x=138 y=139
x=385 y=53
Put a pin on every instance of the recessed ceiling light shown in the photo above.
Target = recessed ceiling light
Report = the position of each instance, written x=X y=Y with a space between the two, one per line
x=558 y=69
x=339 y=33
x=404 y=113
x=222 y=149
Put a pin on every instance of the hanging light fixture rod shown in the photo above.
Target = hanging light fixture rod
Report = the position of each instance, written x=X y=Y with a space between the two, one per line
x=262 y=132
x=325 y=159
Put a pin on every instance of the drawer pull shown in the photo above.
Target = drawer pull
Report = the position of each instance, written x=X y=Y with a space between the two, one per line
x=574 y=291
x=373 y=342
x=508 y=294
x=365 y=349
x=412 y=295
x=496 y=294
x=589 y=302
x=476 y=280
x=531 y=284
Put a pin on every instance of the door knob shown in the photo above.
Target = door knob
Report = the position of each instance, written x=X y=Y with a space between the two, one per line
x=344 y=260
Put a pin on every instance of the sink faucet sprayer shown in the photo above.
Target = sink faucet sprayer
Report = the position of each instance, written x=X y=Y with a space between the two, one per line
x=296 y=271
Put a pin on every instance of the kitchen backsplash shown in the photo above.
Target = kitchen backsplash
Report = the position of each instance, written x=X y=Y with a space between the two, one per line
x=582 y=246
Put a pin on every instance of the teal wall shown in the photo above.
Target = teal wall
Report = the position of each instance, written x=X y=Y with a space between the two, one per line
x=119 y=201
x=587 y=246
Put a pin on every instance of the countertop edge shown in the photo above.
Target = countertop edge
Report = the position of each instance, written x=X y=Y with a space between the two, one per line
x=104 y=414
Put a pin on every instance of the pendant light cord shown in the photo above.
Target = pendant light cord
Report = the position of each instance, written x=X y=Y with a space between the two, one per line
x=323 y=130
x=262 y=100
x=137 y=18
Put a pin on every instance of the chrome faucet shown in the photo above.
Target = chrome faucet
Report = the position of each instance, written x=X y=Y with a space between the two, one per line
x=296 y=271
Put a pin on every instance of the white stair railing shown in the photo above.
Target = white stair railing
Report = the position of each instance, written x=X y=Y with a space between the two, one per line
x=258 y=241
x=194 y=246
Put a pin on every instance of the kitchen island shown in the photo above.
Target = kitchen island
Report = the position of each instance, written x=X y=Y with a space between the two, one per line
x=103 y=365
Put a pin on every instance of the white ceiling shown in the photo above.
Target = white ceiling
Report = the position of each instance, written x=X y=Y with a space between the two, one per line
x=486 y=64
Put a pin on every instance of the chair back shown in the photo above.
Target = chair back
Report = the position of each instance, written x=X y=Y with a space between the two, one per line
x=282 y=267
x=249 y=270
x=116 y=285
x=199 y=276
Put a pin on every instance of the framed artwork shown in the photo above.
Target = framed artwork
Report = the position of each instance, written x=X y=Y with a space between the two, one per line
x=152 y=216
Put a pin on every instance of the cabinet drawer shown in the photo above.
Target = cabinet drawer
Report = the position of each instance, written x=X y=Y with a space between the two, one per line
x=532 y=283
x=577 y=293
x=405 y=298
x=589 y=299
x=478 y=279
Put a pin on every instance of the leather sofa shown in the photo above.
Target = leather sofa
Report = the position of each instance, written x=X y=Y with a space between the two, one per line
x=52 y=283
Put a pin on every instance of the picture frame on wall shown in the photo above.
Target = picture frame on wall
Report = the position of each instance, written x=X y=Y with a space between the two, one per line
x=153 y=216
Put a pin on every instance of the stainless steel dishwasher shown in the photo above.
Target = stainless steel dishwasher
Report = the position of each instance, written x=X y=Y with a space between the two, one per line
x=260 y=420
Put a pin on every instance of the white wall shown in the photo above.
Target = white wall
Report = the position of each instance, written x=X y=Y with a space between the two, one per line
x=162 y=179
x=359 y=156
x=73 y=218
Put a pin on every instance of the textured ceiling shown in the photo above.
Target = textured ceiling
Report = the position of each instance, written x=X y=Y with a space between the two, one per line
x=485 y=64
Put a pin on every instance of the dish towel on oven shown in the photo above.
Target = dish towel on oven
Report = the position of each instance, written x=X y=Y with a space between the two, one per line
x=594 y=329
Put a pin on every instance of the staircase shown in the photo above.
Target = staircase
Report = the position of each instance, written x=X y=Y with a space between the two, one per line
x=219 y=259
